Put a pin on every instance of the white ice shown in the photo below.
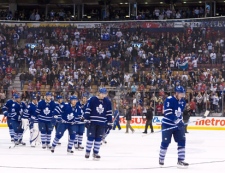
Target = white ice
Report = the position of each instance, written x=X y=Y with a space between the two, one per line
x=124 y=153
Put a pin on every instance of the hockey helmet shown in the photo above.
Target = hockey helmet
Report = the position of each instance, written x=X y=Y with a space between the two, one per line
x=48 y=94
x=58 y=97
x=73 y=98
x=180 y=89
x=102 y=90
x=16 y=96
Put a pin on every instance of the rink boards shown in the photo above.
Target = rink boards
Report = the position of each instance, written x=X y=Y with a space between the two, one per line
x=195 y=123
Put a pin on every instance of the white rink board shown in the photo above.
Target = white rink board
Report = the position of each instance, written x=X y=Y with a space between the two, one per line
x=209 y=123
x=124 y=153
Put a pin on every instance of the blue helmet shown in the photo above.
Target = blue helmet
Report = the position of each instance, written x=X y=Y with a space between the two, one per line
x=34 y=98
x=102 y=90
x=73 y=98
x=58 y=97
x=48 y=94
x=85 y=95
x=180 y=89
x=16 y=96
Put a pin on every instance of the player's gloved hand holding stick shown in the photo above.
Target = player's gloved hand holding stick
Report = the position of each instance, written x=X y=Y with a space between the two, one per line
x=180 y=124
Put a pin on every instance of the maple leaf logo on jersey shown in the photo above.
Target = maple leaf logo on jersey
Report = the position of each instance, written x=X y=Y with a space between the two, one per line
x=178 y=112
x=46 y=111
x=70 y=116
x=100 y=109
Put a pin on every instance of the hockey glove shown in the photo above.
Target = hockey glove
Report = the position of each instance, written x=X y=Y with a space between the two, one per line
x=87 y=124
x=179 y=123
x=32 y=118
x=5 y=114
x=81 y=118
x=57 y=119
x=109 y=126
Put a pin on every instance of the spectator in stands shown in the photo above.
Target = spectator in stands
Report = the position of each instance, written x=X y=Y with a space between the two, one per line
x=22 y=80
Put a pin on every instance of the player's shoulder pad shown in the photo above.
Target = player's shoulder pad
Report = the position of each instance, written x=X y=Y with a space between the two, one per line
x=106 y=99
x=93 y=98
x=40 y=101
x=9 y=101
x=169 y=97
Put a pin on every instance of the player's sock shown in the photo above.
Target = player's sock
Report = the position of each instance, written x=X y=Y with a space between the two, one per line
x=80 y=139
x=49 y=138
x=11 y=132
x=97 y=145
x=16 y=139
x=70 y=144
x=181 y=153
x=55 y=142
x=162 y=154
x=43 y=139
x=89 y=145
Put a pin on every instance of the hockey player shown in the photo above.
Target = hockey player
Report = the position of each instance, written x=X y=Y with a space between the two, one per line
x=80 y=127
x=58 y=102
x=173 y=109
x=45 y=116
x=98 y=112
x=6 y=110
x=66 y=114
x=14 y=114
x=31 y=116
x=116 y=118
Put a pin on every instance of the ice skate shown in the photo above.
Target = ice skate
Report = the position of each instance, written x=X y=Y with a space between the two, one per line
x=87 y=155
x=52 y=149
x=161 y=163
x=182 y=165
x=80 y=147
x=69 y=151
x=96 y=157
x=44 y=146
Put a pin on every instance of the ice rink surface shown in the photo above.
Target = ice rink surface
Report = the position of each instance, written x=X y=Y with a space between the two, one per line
x=124 y=153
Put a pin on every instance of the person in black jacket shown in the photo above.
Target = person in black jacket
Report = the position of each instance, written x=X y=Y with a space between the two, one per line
x=149 y=116
x=128 y=119
x=186 y=116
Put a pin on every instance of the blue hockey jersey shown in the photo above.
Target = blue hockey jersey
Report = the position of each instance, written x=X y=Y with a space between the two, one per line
x=173 y=110
x=16 y=110
x=30 y=113
x=98 y=111
x=67 y=112
x=45 y=110
x=6 y=109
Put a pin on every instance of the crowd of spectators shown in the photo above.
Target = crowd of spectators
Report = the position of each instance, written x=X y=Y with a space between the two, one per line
x=143 y=13
x=141 y=65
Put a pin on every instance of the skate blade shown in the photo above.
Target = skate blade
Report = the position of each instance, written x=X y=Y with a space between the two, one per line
x=96 y=159
x=182 y=167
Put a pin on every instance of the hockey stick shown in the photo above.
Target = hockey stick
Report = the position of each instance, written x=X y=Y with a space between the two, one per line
x=204 y=116
x=76 y=122
x=20 y=137
x=111 y=124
